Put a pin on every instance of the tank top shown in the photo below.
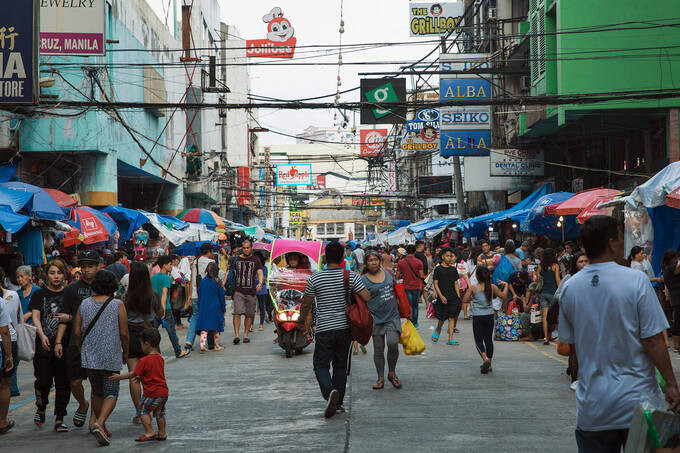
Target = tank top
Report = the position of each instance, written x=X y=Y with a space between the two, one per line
x=481 y=305
x=549 y=282
x=102 y=349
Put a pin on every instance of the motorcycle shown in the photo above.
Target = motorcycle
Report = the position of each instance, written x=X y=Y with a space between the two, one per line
x=291 y=264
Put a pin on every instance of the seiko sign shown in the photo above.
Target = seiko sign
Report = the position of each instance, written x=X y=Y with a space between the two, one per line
x=465 y=117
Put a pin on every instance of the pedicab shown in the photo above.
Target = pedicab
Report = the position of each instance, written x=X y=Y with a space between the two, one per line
x=290 y=266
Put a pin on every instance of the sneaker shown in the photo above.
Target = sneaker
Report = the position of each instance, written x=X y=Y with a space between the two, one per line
x=340 y=409
x=573 y=385
x=331 y=404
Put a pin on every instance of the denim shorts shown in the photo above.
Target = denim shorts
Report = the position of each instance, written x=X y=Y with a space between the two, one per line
x=546 y=300
x=102 y=387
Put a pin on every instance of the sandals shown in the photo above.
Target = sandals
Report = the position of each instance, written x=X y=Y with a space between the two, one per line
x=486 y=366
x=79 y=418
x=218 y=347
x=379 y=384
x=396 y=382
x=161 y=438
x=246 y=340
x=101 y=436
x=10 y=425
x=237 y=340
x=452 y=342
x=145 y=438
x=435 y=337
x=39 y=418
x=60 y=428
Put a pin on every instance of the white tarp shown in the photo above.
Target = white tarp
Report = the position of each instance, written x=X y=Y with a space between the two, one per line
x=653 y=193
x=401 y=236
x=194 y=232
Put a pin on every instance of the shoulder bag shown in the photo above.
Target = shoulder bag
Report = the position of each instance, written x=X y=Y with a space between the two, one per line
x=25 y=338
x=358 y=314
x=414 y=272
x=96 y=318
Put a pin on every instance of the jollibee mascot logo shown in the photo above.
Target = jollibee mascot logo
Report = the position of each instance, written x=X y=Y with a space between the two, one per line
x=279 y=29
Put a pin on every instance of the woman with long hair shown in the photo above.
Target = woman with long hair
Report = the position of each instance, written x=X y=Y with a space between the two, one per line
x=142 y=306
x=549 y=272
x=386 y=326
x=212 y=307
x=47 y=307
x=481 y=296
x=671 y=278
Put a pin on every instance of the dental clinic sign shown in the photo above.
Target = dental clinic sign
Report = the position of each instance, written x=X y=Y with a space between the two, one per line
x=18 y=52
x=72 y=27
x=516 y=162
x=280 y=42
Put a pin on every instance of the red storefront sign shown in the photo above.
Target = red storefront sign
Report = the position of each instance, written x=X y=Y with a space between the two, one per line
x=280 y=42
x=243 y=195
x=321 y=181
x=372 y=141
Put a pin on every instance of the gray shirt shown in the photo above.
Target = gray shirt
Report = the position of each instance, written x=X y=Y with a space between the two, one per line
x=605 y=311
x=481 y=306
x=102 y=349
x=383 y=303
x=515 y=261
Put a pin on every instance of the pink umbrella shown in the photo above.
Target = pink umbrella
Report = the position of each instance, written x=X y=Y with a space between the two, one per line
x=580 y=202
x=594 y=208
x=262 y=246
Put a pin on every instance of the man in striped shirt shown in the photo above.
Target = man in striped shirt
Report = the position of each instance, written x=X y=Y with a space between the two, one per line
x=327 y=290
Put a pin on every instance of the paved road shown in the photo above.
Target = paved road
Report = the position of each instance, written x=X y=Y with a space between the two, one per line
x=251 y=397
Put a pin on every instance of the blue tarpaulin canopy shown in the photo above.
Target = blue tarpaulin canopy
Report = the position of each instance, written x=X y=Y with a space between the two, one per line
x=10 y=221
x=42 y=205
x=534 y=222
x=476 y=226
x=419 y=228
x=7 y=172
x=193 y=248
x=14 y=199
x=128 y=220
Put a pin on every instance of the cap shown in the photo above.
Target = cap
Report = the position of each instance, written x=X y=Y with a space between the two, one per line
x=88 y=255
x=402 y=251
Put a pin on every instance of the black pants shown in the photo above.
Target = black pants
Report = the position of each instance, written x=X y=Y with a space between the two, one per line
x=482 y=329
x=177 y=314
x=262 y=306
x=332 y=347
x=675 y=331
x=47 y=369
x=611 y=441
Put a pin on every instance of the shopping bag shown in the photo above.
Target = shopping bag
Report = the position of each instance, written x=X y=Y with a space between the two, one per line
x=514 y=308
x=402 y=300
x=358 y=315
x=563 y=348
x=508 y=328
x=652 y=430
x=414 y=345
x=405 y=332
x=430 y=311
x=536 y=317
x=25 y=339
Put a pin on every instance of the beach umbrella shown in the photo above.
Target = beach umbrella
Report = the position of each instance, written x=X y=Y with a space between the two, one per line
x=204 y=216
x=62 y=199
x=193 y=248
x=42 y=205
x=580 y=202
x=94 y=226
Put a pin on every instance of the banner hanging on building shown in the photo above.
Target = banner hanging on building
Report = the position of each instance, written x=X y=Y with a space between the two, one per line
x=72 y=27
x=19 y=57
x=391 y=176
x=280 y=42
x=373 y=141
x=433 y=18
x=516 y=162
x=294 y=175
x=376 y=92
x=243 y=194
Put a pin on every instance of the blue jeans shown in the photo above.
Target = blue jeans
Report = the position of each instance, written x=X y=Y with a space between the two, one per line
x=332 y=347
x=610 y=441
x=191 y=331
x=172 y=333
x=413 y=296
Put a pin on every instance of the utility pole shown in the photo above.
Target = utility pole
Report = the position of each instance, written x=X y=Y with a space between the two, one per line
x=457 y=173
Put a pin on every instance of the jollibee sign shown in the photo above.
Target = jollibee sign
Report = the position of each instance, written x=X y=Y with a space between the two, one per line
x=280 y=42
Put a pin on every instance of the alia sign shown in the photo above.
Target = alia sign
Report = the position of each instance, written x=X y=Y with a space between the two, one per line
x=280 y=42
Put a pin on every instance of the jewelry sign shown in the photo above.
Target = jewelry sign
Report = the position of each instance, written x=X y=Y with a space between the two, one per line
x=280 y=42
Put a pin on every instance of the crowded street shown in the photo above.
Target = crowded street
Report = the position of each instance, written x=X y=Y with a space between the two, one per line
x=251 y=397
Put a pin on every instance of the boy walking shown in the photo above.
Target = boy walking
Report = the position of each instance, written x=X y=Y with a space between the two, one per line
x=151 y=371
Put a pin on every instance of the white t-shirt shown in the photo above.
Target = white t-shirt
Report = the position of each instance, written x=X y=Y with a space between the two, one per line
x=202 y=266
x=605 y=311
x=6 y=317
x=359 y=253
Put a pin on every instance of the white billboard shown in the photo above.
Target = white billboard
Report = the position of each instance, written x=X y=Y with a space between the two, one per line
x=72 y=27
x=478 y=177
x=516 y=162
x=434 y=18
x=294 y=175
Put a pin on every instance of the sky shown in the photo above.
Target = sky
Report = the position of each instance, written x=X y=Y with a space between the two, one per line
x=317 y=22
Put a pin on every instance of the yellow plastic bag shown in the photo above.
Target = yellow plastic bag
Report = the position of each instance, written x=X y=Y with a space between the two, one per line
x=412 y=342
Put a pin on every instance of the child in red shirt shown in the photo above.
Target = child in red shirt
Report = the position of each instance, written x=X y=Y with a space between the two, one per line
x=150 y=370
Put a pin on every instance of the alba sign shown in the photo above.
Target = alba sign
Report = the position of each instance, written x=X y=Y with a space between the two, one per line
x=280 y=42
x=72 y=27
x=294 y=175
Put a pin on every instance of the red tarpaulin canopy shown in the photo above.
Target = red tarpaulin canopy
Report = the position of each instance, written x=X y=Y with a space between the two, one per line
x=673 y=199
x=62 y=199
x=580 y=202
x=594 y=208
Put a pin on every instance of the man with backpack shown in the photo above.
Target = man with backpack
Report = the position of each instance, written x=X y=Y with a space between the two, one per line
x=328 y=291
x=198 y=270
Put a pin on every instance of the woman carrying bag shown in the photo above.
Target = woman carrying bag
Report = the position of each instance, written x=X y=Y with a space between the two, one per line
x=386 y=325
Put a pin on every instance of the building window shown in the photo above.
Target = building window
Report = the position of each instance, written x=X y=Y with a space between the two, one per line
x=321 y=228
x=537 y=39
x=339 y=228
x=359 y=231
x=330 y=228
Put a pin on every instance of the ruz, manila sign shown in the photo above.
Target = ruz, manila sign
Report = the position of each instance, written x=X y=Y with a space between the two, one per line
x=72 y=27
x=294 y=175
x=18 y=52
x=280 y=42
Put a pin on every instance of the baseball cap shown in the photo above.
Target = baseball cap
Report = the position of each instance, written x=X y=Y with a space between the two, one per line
x=88 y=255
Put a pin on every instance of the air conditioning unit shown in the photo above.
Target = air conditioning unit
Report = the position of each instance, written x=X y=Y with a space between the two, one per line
x=493 y=13
x=525 y=83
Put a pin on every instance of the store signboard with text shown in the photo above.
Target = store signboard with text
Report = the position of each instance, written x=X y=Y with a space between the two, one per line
x=72 y=27
x=294 y=175
x=19 y=52
x=516 y=162
x=280 y=41
x=466 y=117
x=434 y=18
x=465 y=143
x=373 y=141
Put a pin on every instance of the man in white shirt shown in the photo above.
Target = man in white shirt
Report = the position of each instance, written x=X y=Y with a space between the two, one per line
x=198 y=268
x=610 y=313
x=8 y=351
